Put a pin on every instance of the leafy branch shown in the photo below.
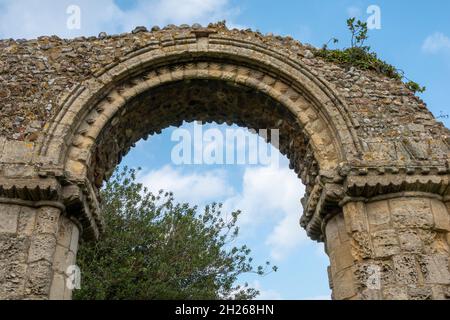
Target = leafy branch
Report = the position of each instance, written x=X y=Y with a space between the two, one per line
x=359 y=33
x=155 y=248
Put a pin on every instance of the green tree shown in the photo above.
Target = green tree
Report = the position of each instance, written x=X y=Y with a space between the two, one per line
x=154 y=248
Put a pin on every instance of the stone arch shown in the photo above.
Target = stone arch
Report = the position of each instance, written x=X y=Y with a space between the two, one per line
x=311 y=99
x=374 y=160
x=317 y=109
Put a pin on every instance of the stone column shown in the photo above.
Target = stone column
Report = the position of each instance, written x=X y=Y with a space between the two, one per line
x=390 y=247
x=37 y=244
x=447 y=204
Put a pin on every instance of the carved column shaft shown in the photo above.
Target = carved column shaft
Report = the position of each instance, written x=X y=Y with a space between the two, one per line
x=396 y=247
x=37 y=244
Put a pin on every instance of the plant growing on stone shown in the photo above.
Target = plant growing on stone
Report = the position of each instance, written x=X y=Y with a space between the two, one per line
x=359 y=55
x=154 y=248
x=415 y=87
x=359 y=33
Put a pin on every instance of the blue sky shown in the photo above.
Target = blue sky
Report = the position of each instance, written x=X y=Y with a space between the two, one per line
x=414 y=36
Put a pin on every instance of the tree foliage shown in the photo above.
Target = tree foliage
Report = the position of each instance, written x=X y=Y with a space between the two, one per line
x=154 y=248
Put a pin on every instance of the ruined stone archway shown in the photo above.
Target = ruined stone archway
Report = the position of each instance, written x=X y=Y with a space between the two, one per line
x=374 y=160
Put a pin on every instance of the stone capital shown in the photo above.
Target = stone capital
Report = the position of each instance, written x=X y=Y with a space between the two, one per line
x=332 y=192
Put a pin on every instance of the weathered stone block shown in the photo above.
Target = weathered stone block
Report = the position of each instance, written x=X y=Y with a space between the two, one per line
x=378 y=215
x=65 y=232
x=344 y=285
x=419 y=150
x=42 y=248
x=17 y=152
x=410 y=240
x=74 y=241
x=58 y=287
x=361 y=246
x=435 y=268
x=447 y=293
x=342 y=257
x=381 y=150
x=441 y=215
x=63 y=258
x=395 y=293
x=370 y=294
x=440 y=292
x=47 y=220
x=39 y=279
x=411 y=213
x=420 y=293
x=14 y=248
x=19 y=170
x=405 y=269
x=27 y=221
x=428 y=237
x=332 y=235
x=374 y=274
x=385 y=243
x=355 y=217
x=342 y=229
x=76 y=168
x=438 y=244
x=12 y=280
x=2 y=144
x=9 y=215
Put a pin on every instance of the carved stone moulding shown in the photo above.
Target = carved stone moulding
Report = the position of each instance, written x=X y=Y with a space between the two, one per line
x=372 y=186
x=80 y=200
x=368 y=184
x=322 y=203
x=30 y=189
x=75 y=201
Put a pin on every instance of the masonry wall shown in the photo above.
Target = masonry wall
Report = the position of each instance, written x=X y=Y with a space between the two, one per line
x=37 y=74
x=36 y=247
x=394 y=248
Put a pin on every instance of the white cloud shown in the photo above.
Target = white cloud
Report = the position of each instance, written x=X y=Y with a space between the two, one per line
x=265 y=191
x=186 y=11
x=194 y=188
x=268 y=194
x=266 y=294
x=286 y=236
x=436 y=43
x=272 y=194
x=32 y=18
